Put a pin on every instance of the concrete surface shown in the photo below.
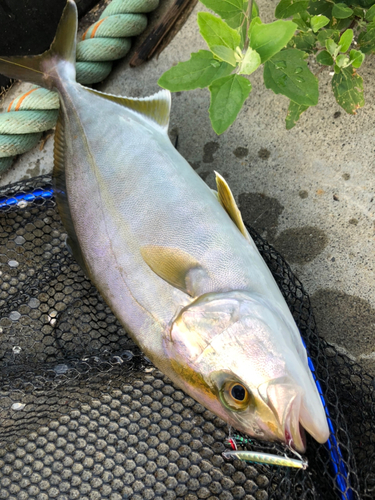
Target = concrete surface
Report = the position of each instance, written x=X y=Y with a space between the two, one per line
x=309 y=191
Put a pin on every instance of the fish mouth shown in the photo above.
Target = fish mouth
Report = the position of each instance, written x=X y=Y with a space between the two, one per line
x=293 y=431
x=296 y=439
x=284 y=399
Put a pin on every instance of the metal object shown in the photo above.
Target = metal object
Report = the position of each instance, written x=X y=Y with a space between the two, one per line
x=266 y=458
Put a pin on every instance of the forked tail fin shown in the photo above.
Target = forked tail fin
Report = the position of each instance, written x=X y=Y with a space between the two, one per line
x=46 y=69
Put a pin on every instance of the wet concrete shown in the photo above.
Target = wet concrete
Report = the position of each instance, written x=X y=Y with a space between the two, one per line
x=301 y=245
x=264 y=154
x=298 y=245
x=241 y=152
x=347 y=321
x=209 y=151
x=261 y=212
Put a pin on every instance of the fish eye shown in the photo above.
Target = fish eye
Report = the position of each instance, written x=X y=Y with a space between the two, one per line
x=235 y=396
x=238 y=392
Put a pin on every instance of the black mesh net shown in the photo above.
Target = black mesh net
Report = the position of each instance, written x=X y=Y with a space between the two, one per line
x=83 y=414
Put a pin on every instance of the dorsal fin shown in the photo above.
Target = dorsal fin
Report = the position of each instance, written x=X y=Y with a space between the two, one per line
x=156 y=107
x=176 y=267
x=61 y=194
x=228 y=202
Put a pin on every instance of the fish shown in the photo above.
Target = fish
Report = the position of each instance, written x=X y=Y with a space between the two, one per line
x=171 y=257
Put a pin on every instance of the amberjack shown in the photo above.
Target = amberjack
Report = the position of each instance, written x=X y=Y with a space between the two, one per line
x=171 y=257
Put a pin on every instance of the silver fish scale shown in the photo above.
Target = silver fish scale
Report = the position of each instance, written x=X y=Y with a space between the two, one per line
x=84 y=415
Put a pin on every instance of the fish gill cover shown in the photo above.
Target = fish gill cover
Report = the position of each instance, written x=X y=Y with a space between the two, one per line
x=83 y=414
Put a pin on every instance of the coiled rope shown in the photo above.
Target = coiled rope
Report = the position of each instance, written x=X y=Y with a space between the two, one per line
x=105 y=41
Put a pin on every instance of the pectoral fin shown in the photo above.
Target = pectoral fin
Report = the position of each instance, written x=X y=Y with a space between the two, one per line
x=228 y=202
x=175 y=266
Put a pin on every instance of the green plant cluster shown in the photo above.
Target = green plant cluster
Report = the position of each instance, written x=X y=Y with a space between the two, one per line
x=336 y=33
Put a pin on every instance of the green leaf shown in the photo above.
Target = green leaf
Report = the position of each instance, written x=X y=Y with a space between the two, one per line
x=255 y=10
x=232 y=11
x=294 y=112
x=370 y=14
x=347 y=86
x=268 y=39
x=324 y=58
x=301 y=24
x=345 y=40
x=356 y=58
x=225 y=8
x=287 y=73
x=341 y=11
x=227 y=97
x=287 y=8
x=325 y=34
x=366 y=40
x=359 y=12
x=365 y=3
x=318 y=22
x=317 y=7
x=305 y=16
x=254 y=21
x=341 y=24
x=342 y=61
x=216 y=32
x=199 y=72
x=224 y=54
x=303 y=41
x=239 y=55
x=250 y=62
x=332 y=47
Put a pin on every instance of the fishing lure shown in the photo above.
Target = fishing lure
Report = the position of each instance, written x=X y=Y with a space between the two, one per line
x=237 y=439
x=232 y=443
x=266 y=458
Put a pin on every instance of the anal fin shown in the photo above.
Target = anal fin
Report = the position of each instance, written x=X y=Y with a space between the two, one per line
x=61 y=195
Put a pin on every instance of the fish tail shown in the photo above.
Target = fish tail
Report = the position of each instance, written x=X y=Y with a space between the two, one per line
x=48 y=68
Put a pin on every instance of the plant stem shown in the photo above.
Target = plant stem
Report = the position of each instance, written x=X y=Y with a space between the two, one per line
x=249 y=12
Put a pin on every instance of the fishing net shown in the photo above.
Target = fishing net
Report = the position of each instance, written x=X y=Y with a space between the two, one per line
x=83 y=414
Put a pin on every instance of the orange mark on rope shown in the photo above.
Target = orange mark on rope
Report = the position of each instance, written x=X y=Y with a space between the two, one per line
x=96 y=26
x=10 y=105
x=22 y=98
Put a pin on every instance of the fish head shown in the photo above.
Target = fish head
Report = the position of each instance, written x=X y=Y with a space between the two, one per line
x=245 y=361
